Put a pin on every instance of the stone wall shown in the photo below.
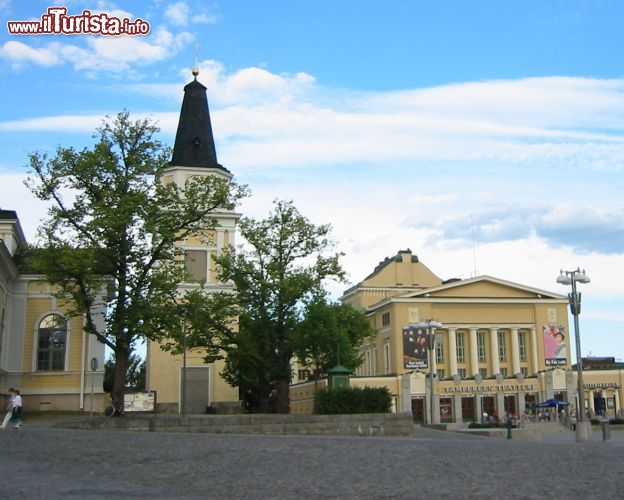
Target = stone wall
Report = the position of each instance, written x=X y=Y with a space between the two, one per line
x=370 y=424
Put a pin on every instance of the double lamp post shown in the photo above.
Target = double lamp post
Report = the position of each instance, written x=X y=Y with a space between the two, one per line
x=583 y=427
x=430 y=326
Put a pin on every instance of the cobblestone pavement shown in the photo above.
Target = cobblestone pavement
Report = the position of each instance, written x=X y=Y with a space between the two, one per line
x=39 y=462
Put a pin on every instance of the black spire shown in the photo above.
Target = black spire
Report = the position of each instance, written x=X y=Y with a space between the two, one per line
x=194 y=143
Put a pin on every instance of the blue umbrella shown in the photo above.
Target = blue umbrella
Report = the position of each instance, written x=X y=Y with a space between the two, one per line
x=551 y=403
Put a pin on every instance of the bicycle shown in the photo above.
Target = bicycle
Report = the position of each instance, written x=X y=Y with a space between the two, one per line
x=110 y=410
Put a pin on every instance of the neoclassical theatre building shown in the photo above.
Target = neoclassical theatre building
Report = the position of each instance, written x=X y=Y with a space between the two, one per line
x=453 y=350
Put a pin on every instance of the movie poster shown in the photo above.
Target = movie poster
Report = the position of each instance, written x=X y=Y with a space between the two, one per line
x=555 y=346
x=414 y=347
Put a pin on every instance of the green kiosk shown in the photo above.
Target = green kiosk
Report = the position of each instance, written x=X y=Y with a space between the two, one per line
x=338 y=377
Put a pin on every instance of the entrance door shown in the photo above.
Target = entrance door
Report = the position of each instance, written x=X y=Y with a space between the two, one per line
x=600 y=405
x=468 y=409
x=510 y=405
x=529 y=402
x=489 y=406
x=197 y=378
x=418 y=410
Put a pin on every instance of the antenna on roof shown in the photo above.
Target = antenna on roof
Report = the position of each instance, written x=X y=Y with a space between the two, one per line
x=474 y=249
x=196 y=65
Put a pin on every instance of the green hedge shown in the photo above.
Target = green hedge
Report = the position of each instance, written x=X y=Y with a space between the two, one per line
x=489 y=425
x=353 y=400
x=613 y=421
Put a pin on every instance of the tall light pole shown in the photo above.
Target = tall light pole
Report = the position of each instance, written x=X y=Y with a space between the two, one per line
x=184 y=348
x=430 y=325
x=572 y=278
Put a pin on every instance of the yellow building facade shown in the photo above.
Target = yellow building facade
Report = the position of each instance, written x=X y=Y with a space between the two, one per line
x=43 y=352
x=455 y=350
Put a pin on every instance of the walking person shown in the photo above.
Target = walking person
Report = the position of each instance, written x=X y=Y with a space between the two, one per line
x=9 y=408
x=16 y=409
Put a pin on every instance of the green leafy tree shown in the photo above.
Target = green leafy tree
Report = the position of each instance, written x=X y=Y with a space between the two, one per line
x=284 y=263
x=135 y=376
x=113 y=225
x=330 y=334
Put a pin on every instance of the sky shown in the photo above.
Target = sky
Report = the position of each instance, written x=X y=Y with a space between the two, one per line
x=486 y=136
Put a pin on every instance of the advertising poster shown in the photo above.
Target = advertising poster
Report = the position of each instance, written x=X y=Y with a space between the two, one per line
x=414 y=348
x=555 y=345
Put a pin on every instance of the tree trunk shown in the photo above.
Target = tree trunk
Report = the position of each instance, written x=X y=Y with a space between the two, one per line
x=122 y=356
x=283 y=396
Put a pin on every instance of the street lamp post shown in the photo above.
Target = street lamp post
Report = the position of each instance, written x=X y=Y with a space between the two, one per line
x=583 y=426
x=184 y=348
x=430 y=325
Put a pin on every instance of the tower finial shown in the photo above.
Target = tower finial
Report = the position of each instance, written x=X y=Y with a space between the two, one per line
x=196 y=66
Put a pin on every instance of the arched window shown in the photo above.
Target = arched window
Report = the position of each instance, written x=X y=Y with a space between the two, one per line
x=52 y=343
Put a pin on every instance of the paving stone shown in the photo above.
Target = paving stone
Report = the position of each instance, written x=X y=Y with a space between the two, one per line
x=41 y=462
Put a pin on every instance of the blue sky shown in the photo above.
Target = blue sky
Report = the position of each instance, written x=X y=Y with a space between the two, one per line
x=487 y=136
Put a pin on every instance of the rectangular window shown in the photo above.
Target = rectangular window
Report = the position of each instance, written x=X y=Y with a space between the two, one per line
x=303 y=374
x=483 y=373
x=462 y=373
x=439 y=347
x=440 y=374
x=481 y=347
x=460 y=349
x=387 y=357
x=196 y=266
x=524 y=370
x=522 y=345
x=385 y=319
x=503 y=372
x=502 y=348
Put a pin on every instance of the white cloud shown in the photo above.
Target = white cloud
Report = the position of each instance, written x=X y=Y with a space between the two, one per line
x=20 y=54
x=178 y=13
x=16 y=196
x=67 y=123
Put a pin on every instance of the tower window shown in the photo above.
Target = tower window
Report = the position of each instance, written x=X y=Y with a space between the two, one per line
x=196 y=265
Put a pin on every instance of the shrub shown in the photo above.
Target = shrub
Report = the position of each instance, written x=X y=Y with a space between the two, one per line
x=353 y=400
x=488 y=425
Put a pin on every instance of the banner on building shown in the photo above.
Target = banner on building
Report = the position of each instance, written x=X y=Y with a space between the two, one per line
x=414 y=347
x=555 y=346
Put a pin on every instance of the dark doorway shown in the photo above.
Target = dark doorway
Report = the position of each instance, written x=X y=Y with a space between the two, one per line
x=468 y=409
x=510 y=405
x=418 y=410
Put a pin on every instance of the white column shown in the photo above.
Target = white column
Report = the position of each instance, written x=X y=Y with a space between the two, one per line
x=220 y=240
x=452 y=343
x=494 y=350
x=590 y=397
x=534 y=361
x=474 y=359
x=515 y=351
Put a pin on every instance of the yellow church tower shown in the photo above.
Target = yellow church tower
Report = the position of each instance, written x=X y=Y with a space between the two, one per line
x=184 y=383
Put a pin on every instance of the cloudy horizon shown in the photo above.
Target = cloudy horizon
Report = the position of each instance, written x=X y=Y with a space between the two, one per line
x=515 y=176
